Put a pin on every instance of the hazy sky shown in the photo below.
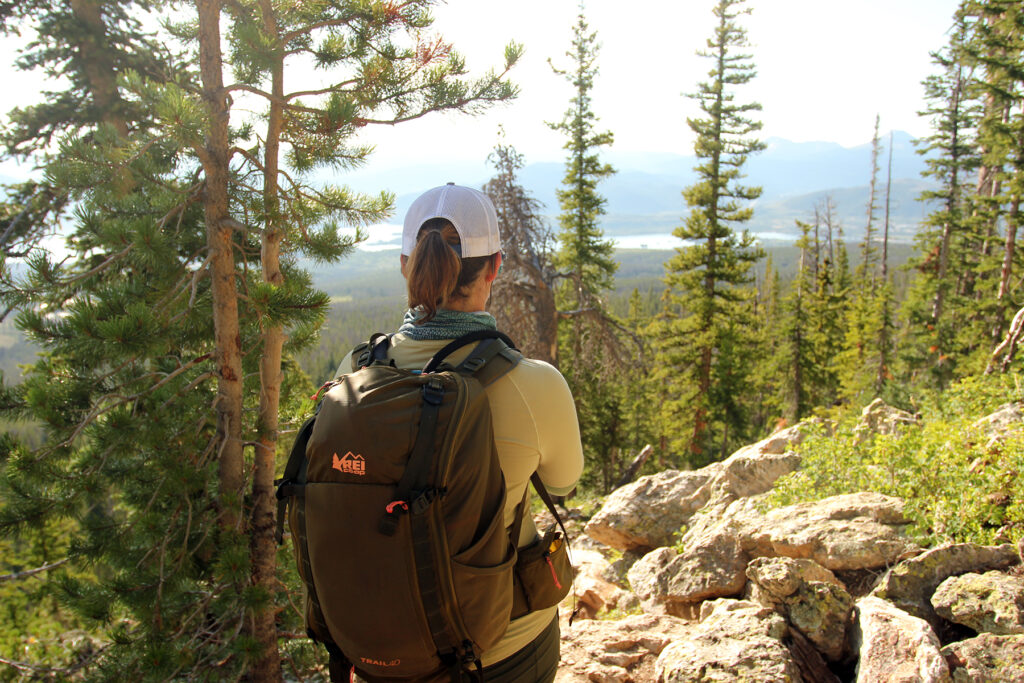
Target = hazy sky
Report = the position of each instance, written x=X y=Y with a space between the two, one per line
x=825 y=68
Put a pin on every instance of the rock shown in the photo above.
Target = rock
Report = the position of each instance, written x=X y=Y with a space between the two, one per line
x=879 y=418
x=848 y=532
x=648 y=513
x=851 y=531
x=910 y=584
x=617 y=571
x=895 y=646
x=992 y=602
x=810 y=598
x=1008 y=418
x=670 y=583
x=736 y=640
x=622 y=650
x=987 y=658
x=752 y=469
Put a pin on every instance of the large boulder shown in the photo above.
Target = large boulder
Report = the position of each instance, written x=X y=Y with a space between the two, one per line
x=616 y=651
x=754 y=469
x=736 y=640
x=850 y=531
x=847 y=532
x=670 y=583
x=992 y=602
x=895 y=646
x=910 y=584
x=986 y=658
x=809 y=596
x=649 y=513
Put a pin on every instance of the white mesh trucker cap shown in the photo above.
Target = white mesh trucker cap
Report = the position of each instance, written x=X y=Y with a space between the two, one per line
x=470 y=211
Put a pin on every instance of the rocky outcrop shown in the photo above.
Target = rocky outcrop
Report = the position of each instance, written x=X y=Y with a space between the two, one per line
x=650 y=512
x=986 y=658
x=1007 y=419
x=992 y=602
x=823 y=591
x=808 y=596
x=857 y=531
x=895 y=646
x=736 y=640
x=910 y=584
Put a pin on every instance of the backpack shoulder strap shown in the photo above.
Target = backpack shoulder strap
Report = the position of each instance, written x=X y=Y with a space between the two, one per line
x=373 y=351
x=493 y=346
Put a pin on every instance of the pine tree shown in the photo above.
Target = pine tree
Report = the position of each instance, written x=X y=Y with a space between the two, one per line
x=523 y=296
x=934 y=308
x=169 y=329
x=588 y=336
x=709 y=294
x=584 y=255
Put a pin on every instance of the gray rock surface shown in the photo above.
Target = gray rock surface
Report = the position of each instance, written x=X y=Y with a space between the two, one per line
x=987 y=658
x=808 y=596
x=992 y=602
x=895 y=647
x=736 y=640
x=910 y=584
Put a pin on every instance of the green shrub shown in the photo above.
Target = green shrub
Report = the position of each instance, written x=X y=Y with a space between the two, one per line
x=956 y=487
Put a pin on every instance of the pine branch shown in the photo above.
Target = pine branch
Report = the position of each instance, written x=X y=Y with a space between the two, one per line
x=18 y=576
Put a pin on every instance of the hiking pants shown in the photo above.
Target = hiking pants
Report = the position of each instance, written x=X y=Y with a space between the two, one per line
x=536 y=662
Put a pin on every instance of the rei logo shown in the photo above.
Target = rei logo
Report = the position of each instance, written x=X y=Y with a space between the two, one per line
x=350 y=463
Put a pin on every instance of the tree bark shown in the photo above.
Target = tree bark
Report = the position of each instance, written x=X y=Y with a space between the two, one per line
x=97 y=67
x=263 y=547
x=214 y=157
x=634 y=467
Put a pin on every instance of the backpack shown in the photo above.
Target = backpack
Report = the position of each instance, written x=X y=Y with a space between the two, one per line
x=395 y=499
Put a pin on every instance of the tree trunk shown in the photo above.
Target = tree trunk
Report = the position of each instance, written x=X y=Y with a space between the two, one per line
x=97 y=67
x=263 y=546
x=214 y=157
x=951 y=202
x=634 y=467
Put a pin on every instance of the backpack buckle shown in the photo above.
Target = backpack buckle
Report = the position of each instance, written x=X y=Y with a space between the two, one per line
x=423 y=501
x=472 y=364
x=433 y=392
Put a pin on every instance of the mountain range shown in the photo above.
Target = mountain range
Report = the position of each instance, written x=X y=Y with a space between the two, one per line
x=644 y=200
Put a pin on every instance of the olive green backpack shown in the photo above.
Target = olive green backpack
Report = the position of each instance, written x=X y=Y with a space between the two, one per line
x=396 y=501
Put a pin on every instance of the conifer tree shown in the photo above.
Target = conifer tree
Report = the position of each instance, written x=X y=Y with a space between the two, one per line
x=863 y=360
x=523 y=297
x=169 y=327
x=584 y=255
x=708 y=315
x=589 y=345
x=934 y=309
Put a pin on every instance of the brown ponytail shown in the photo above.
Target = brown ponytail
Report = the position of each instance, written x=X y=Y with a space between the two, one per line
x=434 y=272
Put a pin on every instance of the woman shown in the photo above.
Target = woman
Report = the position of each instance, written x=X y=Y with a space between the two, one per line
x=451 y=254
